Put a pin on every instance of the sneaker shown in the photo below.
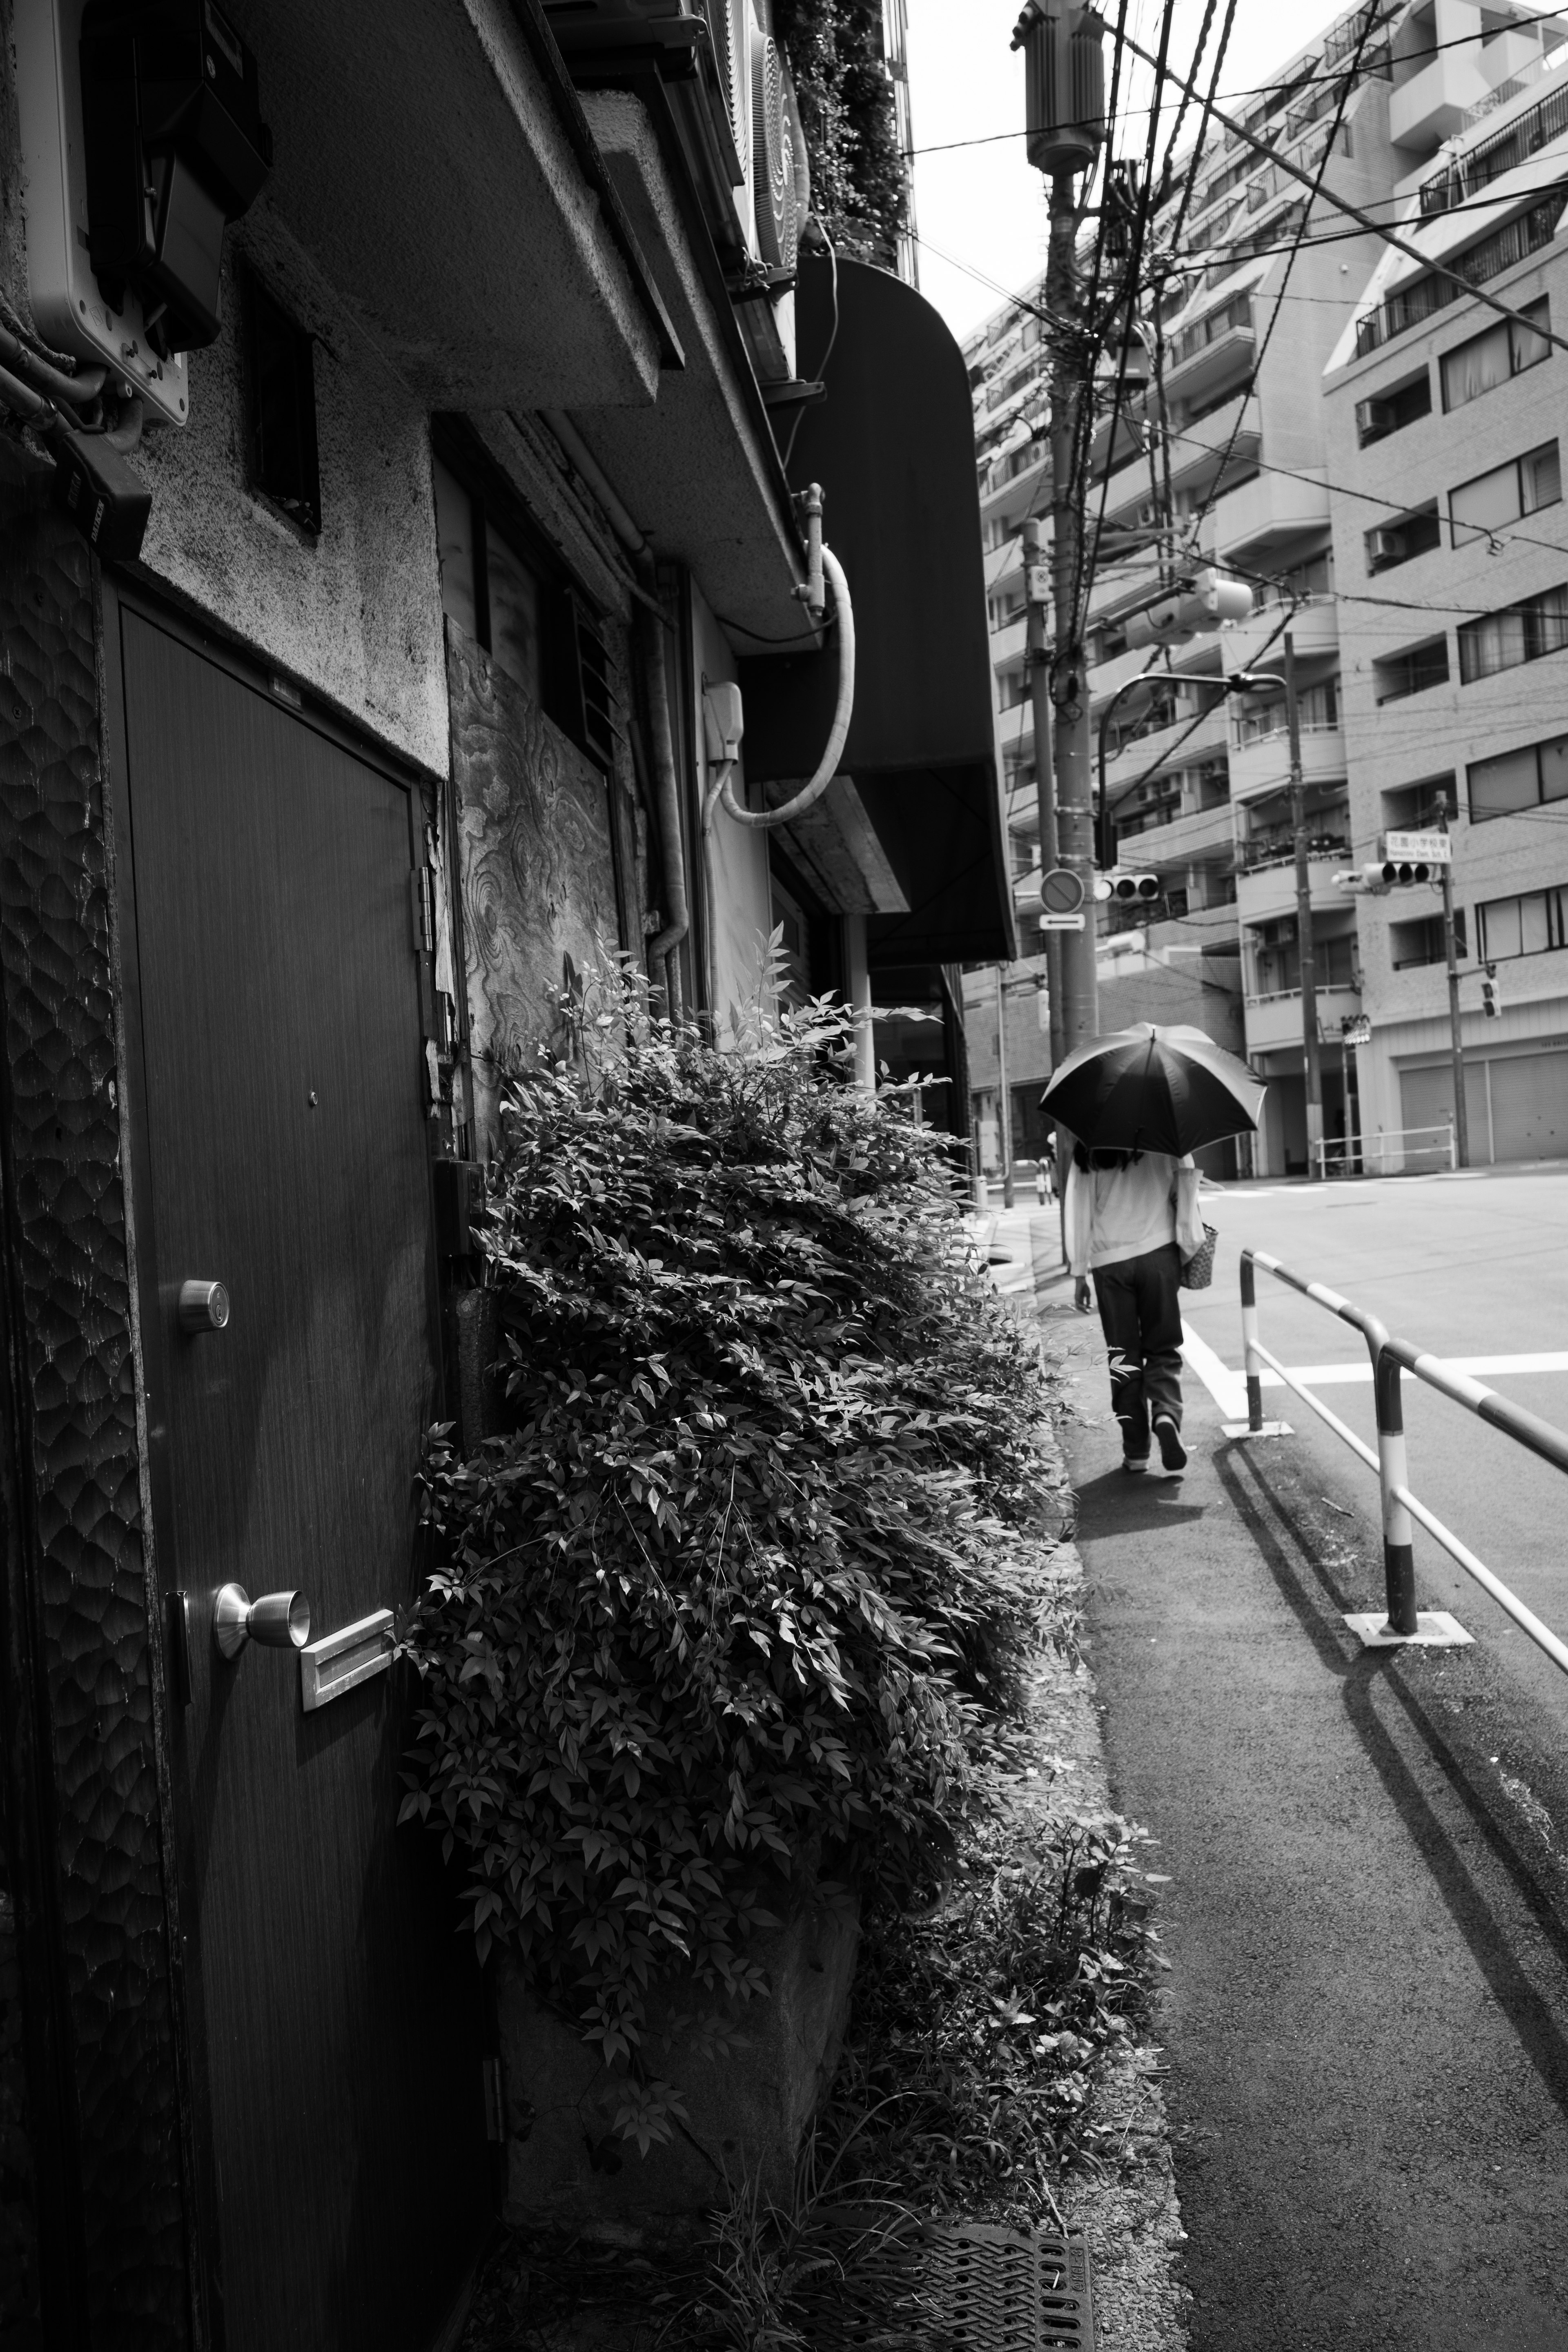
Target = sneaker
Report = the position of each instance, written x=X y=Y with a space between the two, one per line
x=1173 y=1452
x=1137 y=1463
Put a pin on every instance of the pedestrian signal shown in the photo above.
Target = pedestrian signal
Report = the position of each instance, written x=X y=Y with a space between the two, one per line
x=1491 y=994
x=1127 y=888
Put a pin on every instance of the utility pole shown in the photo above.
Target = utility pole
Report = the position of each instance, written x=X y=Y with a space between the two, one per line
x=1074 y=806
x=1004 y=1100
x=1456 y=1029
x=1312 y=1052
x=1038 y=662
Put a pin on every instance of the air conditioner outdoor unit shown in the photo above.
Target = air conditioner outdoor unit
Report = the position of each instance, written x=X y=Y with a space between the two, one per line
x=1385 y=546
x=1373 y=416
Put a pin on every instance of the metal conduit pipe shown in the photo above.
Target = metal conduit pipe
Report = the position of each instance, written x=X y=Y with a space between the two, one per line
x=827 y=768
x=666 y=795
x=80 y=391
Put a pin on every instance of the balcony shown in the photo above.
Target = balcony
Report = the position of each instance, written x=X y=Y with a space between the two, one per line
x=1234 y=429
x=1008 y=643
x=1208 y=737
x=1265 y=766
x=1274 y=1022
x=1189 y=839
x=1206 y=368
x=1268 y=890
x=1315 y=627
x=1271 y=507
x=1433 y=104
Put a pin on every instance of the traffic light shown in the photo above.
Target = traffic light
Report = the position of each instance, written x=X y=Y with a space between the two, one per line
x=1491 y=994
x=1127 y=888
x=1197 y=606
x=1381 y=875
x=1064 y=84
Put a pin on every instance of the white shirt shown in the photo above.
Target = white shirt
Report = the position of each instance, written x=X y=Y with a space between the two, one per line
x=1114 y=1213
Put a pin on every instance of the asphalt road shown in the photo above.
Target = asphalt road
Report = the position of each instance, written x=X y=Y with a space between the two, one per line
x=1468 y=1267
x=1363 y=1856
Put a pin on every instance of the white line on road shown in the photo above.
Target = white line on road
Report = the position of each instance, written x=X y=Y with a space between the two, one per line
x=1228 y=1388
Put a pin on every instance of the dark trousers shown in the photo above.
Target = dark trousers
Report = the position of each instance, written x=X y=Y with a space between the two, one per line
x=1141 y=1315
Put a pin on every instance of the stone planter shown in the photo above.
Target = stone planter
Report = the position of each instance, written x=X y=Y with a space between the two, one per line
x=746 y=2113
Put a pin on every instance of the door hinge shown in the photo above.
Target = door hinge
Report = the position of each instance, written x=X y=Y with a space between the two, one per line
x=422 y=904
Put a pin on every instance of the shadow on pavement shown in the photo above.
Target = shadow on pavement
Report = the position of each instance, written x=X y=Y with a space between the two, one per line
x=1461 y=1707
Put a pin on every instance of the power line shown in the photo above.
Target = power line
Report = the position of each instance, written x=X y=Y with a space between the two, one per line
x=1253 y=90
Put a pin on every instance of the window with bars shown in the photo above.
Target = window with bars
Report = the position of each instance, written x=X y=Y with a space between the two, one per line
x=1532 y=924
x=1423 y=297
x=1525 y=632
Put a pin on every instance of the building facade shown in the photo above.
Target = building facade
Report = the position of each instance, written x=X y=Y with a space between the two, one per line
x=1237 y=455
x=1443 y=426
x=377 y=569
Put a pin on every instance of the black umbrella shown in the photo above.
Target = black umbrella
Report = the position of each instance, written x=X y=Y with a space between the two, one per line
x=1150 y=1090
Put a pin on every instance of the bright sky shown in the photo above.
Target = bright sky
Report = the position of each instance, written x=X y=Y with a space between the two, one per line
x=981 y=209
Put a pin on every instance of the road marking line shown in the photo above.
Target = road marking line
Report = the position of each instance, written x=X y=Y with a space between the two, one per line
x=1227 y=1389
x=1211 y=1368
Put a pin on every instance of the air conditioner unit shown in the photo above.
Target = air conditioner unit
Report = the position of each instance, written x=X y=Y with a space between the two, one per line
x=1373 y=417
x=1385 y=546
x=780 y=181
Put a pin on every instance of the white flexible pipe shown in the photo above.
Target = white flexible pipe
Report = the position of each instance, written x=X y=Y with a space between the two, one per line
x=829 y=766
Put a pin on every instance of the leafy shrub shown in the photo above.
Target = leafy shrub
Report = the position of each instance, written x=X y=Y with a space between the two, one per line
x=709 y=1619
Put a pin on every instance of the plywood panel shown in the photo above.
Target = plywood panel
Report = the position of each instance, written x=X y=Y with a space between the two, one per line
x=538 y=872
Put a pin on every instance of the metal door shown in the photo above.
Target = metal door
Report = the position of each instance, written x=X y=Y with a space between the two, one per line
x=276 y=1034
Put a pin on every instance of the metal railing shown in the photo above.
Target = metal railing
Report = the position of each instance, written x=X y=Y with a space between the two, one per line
x=1342 y=1157
x=1401 y=1508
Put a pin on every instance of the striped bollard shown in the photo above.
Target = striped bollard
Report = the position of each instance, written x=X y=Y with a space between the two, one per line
x=1251 y=1357
x=1392 y=1471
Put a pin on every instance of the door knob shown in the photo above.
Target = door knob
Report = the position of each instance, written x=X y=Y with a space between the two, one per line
x=204 y=1307
x=279 y=1620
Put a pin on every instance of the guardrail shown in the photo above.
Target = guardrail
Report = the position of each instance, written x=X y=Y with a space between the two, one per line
x=1341 y=1156
x=1401 y=1509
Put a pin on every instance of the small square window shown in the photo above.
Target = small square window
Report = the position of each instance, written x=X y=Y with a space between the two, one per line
x=282 y=397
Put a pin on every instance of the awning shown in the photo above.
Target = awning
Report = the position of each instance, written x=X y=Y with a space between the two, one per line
x=893 y=446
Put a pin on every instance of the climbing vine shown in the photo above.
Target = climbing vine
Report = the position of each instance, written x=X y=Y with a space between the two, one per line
x=846 y=95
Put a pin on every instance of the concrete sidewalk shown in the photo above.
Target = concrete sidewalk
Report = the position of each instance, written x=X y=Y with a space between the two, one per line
x=1367 y=1913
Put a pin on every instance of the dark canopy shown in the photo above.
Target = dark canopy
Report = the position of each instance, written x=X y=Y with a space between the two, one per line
x=893 y=446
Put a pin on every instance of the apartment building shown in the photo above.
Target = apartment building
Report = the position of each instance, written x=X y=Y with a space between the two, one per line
x=1442 y=428
x=1225 y=459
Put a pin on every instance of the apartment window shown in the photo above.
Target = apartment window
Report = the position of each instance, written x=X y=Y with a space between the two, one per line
x=282 y=389
x=1518 y=780
x=1014 y=689
x=1417 y=808
x=1490 y=359
x=1423 y=941
x=1524 y=631
x=1411 y=672
x=1236 y=313
x=1492 y=502
x=1393 y=544
x=1391 y=411
x=1419 y=298
x=1317 y=708
x=1532 y=925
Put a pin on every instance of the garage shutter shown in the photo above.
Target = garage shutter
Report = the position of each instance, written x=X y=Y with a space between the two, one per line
x=1426 y=1099
x=1529 y=1107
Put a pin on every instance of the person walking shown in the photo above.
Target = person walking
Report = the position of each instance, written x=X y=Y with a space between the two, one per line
x=1132 y=1221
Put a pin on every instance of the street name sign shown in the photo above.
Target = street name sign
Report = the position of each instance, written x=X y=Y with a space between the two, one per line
x=1419 y=848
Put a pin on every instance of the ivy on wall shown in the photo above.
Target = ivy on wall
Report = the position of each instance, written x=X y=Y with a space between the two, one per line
x=846 y=95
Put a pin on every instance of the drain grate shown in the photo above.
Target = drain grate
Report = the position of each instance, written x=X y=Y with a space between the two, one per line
x=1001 y=2290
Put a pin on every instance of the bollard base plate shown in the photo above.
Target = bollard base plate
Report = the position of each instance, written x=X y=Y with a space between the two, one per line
x=1435 y=1629
x=1269 y=1429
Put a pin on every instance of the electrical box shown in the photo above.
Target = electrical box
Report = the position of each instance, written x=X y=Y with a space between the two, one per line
x=139 y=142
